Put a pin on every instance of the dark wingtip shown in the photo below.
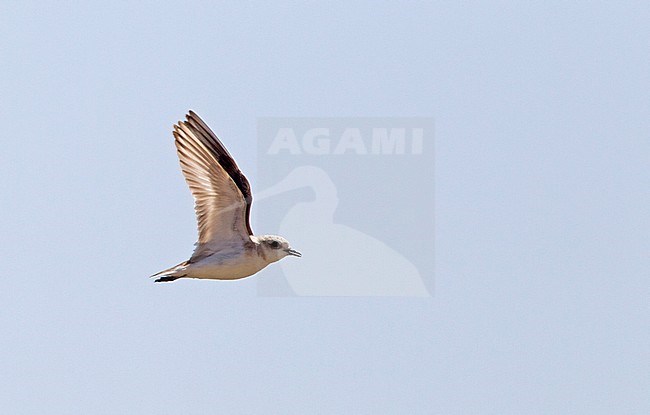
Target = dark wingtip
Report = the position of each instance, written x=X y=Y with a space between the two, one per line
x=166 y=279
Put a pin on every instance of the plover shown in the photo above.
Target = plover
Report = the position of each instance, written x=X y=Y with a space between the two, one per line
x=227 y=248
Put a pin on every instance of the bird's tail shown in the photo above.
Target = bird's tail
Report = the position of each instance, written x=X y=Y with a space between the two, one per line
x=171 y=274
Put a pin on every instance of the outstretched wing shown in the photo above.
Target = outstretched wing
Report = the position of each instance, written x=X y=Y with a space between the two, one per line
x=221 y=192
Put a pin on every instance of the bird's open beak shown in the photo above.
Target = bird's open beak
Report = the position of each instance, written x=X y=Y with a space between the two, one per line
x=293 y=252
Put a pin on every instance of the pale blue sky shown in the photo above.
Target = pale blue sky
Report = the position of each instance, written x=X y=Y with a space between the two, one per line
x=542 y=232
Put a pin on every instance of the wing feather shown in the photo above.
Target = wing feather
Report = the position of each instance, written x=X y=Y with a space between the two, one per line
x=221 y=207
x=216 y=147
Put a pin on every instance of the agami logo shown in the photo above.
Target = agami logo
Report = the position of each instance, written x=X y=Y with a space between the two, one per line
x=352 y=140
x=356 y=195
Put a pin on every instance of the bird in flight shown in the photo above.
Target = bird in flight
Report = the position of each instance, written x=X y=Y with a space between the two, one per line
x=227 y=248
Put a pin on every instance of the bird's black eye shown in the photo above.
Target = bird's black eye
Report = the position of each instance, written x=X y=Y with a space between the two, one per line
x=274 y=244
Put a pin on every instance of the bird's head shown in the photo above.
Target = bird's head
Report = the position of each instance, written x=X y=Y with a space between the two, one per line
x=274 y=248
